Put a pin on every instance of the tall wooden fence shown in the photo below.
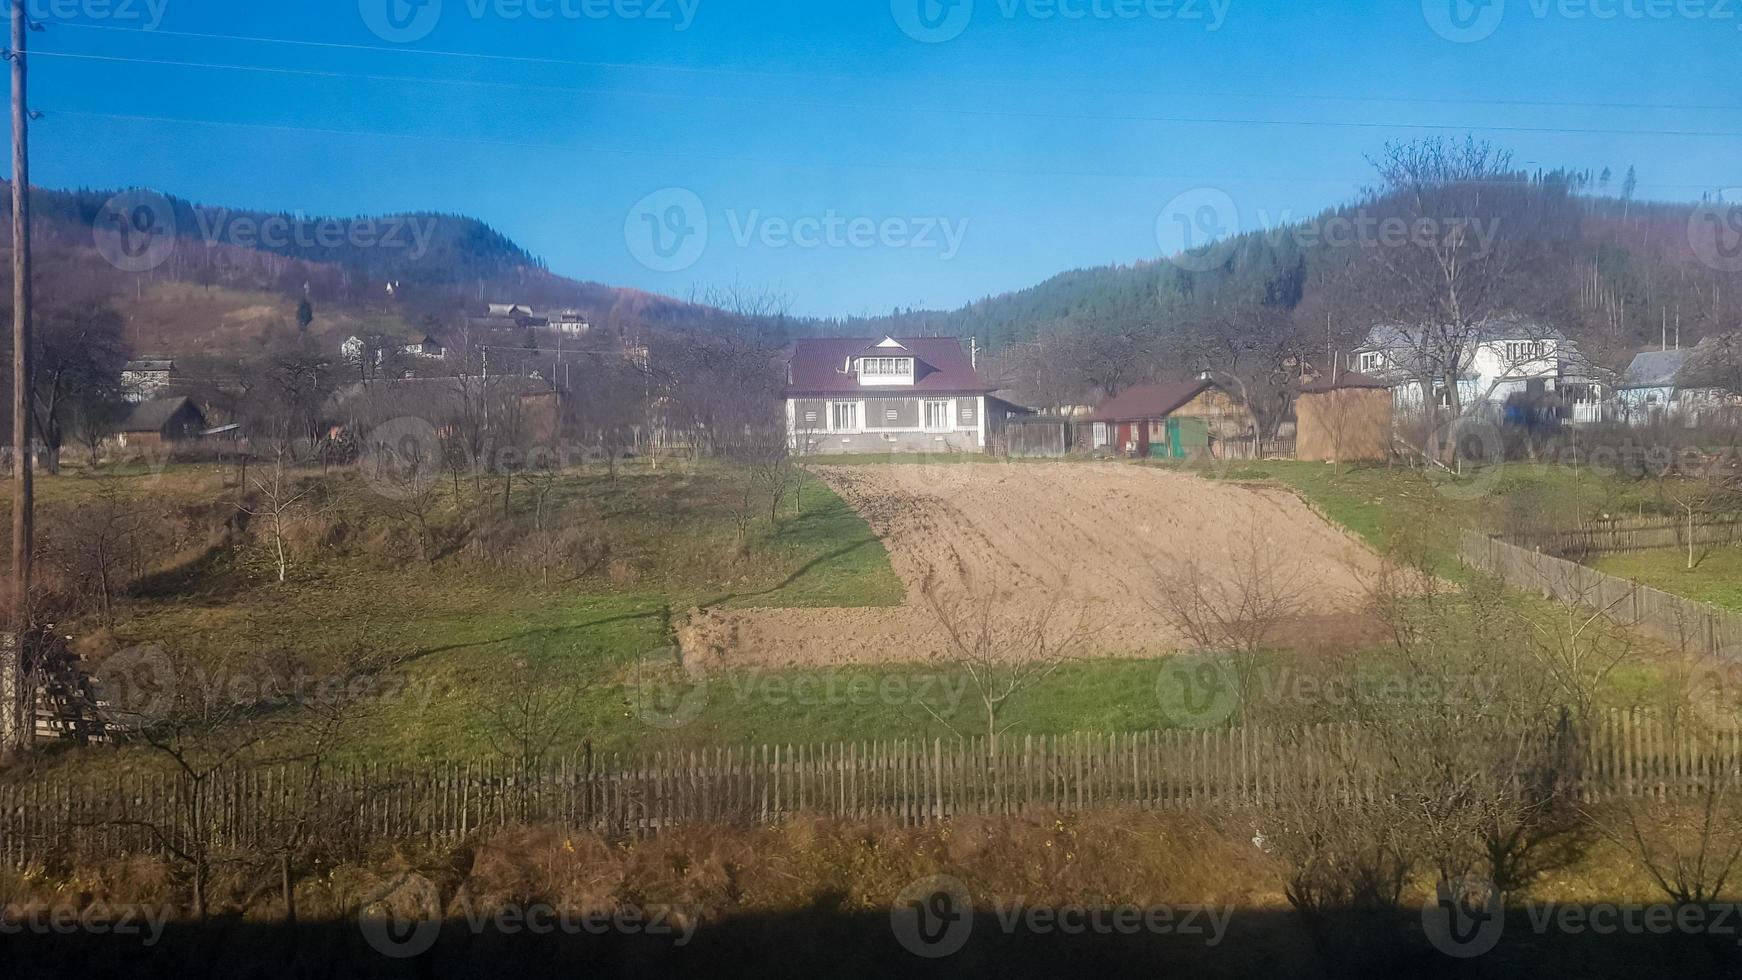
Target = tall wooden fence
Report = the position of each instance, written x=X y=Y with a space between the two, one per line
x=910 y=782
x=1694 y=627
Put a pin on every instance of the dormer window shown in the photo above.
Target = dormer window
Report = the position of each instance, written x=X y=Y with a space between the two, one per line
x=886 y=367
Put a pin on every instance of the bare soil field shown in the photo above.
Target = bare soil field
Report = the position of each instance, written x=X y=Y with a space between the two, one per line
x=1085 y=551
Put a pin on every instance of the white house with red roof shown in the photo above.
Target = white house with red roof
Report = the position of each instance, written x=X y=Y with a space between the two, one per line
x=923 y=394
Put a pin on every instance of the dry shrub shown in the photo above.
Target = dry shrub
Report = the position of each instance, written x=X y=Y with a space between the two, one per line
x=572 y=543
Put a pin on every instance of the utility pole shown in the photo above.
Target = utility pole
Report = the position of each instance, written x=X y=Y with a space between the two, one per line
x=18 y=718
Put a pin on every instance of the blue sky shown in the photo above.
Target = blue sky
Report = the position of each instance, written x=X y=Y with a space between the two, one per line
x=831 y=155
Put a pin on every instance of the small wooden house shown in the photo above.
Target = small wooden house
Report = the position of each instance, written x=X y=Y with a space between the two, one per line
x=159 y=422
x=1347 y=419
x=1172 y=419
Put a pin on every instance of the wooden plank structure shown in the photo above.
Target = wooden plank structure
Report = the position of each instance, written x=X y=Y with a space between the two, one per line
x=904 y=781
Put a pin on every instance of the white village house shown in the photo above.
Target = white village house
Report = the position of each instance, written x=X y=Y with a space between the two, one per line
x=142 y=380
x=1657 y=388
x=880 y=396
x=1505 y=357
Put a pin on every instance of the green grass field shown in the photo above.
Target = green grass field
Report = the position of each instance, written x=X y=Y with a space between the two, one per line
x=1717 y=578
x=469 y=637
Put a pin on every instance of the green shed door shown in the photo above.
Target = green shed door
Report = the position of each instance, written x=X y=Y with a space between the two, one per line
x=1186 y=435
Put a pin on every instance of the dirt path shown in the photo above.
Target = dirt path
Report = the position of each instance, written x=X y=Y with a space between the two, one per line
x=1091 y=543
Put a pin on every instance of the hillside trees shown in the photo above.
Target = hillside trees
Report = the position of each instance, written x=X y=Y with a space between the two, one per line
x=1480 y=251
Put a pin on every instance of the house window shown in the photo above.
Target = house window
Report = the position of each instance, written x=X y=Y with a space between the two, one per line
x=844 y=416
x=885 y=367
x=937 y=416
x=1519 y=352
x=1371 y=361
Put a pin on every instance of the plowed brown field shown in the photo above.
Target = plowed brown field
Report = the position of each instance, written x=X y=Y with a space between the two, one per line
x=1095 y=543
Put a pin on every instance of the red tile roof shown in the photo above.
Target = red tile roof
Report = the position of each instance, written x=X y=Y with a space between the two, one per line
x=1151 y=401
x=817 y=367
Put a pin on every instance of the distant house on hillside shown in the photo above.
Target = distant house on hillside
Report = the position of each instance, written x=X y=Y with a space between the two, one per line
x=1507 y=356
x=1663 y=386
x=160 y=422
x=861 y=395
x=427 y=347
x=1174 y=419
x=142 y=380
x=570 y=323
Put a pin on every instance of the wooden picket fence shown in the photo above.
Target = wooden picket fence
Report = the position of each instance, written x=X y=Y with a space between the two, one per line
x=1689 y=626
x=907 y=782
x=1616 y=537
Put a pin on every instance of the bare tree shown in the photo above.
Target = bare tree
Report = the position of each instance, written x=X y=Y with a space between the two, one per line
x=278 y=496
x=1005 y=647
x=1236 y=613
x=531 y=723
x=1475 y=255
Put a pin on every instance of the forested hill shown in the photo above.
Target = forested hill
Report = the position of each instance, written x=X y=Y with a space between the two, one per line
x=1606 y=269
x=424 y=248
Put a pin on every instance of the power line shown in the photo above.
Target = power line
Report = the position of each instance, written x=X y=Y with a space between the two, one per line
x=752 y=161
x=846 y=106
x=814 y=76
